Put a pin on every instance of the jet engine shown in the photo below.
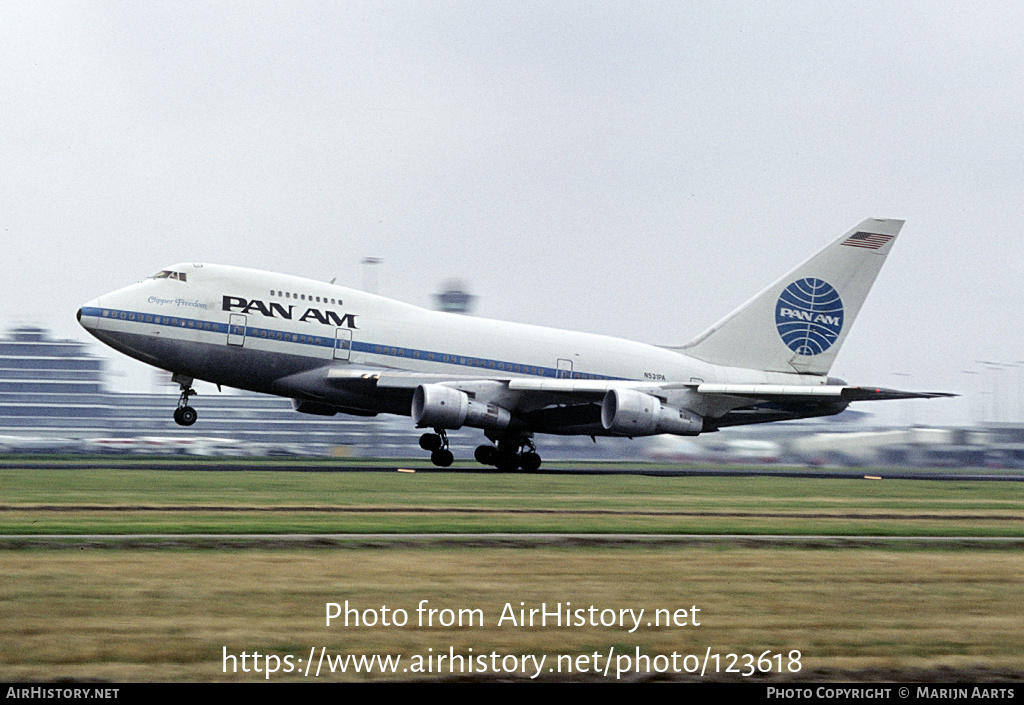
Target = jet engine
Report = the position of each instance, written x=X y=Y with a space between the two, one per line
x=438 y=406
x=627 y=412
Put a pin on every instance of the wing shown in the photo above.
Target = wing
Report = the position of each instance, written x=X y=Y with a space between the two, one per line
x=570 y=406
x=762 y=403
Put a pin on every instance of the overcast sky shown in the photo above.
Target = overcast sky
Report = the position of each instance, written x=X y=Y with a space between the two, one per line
x=636 y=169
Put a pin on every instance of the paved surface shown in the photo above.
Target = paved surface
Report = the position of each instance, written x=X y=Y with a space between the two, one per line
x=262 y=464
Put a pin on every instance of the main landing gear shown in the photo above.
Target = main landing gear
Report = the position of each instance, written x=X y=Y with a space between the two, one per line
x=185 y=415
x=512 y=453
x=437 y=444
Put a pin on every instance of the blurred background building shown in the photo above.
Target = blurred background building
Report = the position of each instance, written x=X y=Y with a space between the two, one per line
x=454 y=297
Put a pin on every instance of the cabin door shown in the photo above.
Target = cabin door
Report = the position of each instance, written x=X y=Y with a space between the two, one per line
x=342 y=343
x=236 y=329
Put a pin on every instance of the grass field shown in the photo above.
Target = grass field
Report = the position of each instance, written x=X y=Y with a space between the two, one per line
x=170 y=615
x=173 y=614
x=106 y=500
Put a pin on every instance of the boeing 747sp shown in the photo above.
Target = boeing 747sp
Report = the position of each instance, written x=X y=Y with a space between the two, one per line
x=332 y=349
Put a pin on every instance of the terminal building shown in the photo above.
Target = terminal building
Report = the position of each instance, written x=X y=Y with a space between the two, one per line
x=49 y=386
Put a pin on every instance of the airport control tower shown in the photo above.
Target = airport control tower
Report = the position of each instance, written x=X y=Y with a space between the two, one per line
x=454 y=298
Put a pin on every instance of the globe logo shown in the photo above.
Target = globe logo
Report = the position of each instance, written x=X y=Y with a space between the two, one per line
x=809 y=316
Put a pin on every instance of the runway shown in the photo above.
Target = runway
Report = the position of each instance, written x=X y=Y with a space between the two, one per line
x=561 y=468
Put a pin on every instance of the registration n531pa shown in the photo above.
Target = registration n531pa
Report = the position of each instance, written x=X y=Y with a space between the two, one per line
x=337 y=350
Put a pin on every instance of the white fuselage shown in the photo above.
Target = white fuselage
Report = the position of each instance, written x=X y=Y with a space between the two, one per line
x=290 y=324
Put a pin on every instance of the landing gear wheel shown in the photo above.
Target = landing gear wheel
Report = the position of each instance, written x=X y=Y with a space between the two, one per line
x=529 y=462
x=185 y=415
x=486 y=455
x=431 y=442
x=442 y=458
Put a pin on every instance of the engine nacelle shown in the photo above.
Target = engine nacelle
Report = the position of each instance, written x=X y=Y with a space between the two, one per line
x=627 y=412
x=438 y=406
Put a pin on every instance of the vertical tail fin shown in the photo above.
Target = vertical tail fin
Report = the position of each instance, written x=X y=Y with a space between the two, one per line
x=798 y=323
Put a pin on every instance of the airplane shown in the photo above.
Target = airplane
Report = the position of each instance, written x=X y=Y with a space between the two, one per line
x=334 y=350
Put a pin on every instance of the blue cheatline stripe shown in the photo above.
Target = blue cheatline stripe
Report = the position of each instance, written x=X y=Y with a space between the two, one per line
x=259 y=333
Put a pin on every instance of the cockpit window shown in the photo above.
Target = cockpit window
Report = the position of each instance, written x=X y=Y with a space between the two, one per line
x=168 y=274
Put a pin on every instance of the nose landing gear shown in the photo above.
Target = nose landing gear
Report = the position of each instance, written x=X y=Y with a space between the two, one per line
x=184 y=415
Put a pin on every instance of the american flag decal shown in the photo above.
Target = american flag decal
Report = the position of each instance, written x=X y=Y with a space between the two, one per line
x=869 y=240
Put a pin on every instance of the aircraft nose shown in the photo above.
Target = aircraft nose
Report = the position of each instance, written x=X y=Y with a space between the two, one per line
x=87 y=315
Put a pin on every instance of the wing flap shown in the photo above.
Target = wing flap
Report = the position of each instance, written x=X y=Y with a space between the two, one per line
x=584 y=386
x=396 y=379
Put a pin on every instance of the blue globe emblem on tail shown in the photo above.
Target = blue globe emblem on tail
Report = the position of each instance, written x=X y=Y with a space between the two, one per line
x=809 y=316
